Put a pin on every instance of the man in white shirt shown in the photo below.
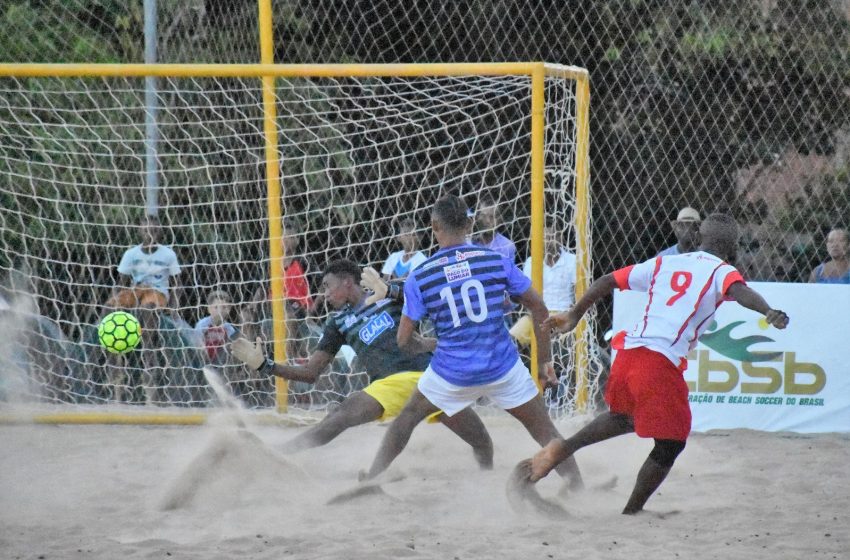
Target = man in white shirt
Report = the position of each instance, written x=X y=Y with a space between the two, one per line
x=149 y=268
x=686 y=228
x=559 y=282
x=646 y=392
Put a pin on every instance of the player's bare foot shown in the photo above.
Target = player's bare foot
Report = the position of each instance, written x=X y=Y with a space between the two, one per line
x=547 y=458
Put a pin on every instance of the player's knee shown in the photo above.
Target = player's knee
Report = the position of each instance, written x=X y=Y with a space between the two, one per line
x=665 y=451
x=623 y=421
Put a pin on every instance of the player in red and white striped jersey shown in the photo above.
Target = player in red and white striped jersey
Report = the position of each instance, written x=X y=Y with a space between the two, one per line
x=646 y=392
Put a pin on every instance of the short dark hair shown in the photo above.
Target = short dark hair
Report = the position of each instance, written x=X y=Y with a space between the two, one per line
x=722 y=218
x=720 y=231
x=344 y=267
x=451 y=211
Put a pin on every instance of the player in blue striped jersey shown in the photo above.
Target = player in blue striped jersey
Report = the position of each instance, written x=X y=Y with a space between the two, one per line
x=461 y=289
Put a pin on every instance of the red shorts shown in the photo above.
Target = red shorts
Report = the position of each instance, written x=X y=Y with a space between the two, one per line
x=645 y=385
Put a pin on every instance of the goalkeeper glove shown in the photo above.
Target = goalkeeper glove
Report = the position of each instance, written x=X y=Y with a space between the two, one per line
x=371 y=280
x=252 y=355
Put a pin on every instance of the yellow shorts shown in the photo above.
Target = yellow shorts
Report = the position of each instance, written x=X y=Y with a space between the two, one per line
x=393 y=392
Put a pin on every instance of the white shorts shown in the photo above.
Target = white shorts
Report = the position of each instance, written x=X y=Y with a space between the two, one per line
x=513 y=389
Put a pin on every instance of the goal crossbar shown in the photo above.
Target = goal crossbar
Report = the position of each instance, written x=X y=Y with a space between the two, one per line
x=27 y=70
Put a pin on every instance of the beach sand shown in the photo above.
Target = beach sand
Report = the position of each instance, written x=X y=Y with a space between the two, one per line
x=101 y=492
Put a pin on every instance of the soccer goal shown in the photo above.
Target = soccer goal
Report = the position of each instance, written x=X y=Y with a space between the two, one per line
x=327 y=161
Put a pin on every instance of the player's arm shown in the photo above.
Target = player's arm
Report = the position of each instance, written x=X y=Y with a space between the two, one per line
x=252 y=355
x=419 y=344
x=751 y=299
x=567 y=321
x=532 y=301
x=405 y=335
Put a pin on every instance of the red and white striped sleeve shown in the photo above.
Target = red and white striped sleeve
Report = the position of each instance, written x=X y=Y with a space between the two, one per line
x=637 y=277
x=726 y=276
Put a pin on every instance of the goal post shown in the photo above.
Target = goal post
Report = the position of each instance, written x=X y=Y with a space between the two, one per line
x=348 y=152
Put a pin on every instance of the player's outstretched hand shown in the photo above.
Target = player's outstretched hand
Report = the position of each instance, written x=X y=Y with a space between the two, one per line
x=372 y=281
x=777 y=318
x=561 y=322
x=251 y=354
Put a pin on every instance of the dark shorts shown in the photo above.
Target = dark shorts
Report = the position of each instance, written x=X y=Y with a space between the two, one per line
x=648 y=387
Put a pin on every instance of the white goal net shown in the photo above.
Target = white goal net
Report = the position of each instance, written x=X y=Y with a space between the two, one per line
x=361 y=159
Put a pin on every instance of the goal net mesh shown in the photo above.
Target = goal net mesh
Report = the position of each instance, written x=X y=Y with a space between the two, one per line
x=360 y=157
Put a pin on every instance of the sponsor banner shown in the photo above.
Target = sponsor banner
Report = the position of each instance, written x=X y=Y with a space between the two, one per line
x=745 y=373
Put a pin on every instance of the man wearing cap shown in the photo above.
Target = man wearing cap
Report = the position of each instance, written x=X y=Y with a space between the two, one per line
x=686 y=228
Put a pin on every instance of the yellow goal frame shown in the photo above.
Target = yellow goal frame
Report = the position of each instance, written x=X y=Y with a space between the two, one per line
x=268 y=72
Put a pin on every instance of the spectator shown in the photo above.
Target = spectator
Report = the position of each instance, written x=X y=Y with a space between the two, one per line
x=400 y=263
x=487 y=222
x=150 y=270
x=686 y=228
x=559 y=281
x=215 y=330
x=837 y=269
x=765 y=258
x=298 y=304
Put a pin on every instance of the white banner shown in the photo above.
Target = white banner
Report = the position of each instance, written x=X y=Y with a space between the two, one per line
x=747 y=374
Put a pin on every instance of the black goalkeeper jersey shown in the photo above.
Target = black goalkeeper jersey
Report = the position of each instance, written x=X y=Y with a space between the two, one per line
x=371 y=332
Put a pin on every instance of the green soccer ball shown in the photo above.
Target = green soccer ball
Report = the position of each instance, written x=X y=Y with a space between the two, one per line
x=119 y=332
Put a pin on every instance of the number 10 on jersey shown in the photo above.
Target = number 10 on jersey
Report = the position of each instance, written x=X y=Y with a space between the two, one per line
x=469 y=286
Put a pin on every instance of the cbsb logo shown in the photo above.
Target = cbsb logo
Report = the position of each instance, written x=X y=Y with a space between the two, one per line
x=373 y=329
x=795 y=378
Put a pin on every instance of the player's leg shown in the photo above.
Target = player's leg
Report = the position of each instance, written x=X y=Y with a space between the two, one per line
x=153 y=374
x=535 y=418
x=661 y=412
x=653 y=472
x=398 y=434
x=618 y=421
x=517 y=393
x=469 y=427
x=116 y=372
x=394 y=391
x=357 y=409
x=605 y=426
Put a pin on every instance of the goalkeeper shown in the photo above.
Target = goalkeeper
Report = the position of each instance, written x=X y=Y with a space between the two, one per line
x=368 y=323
